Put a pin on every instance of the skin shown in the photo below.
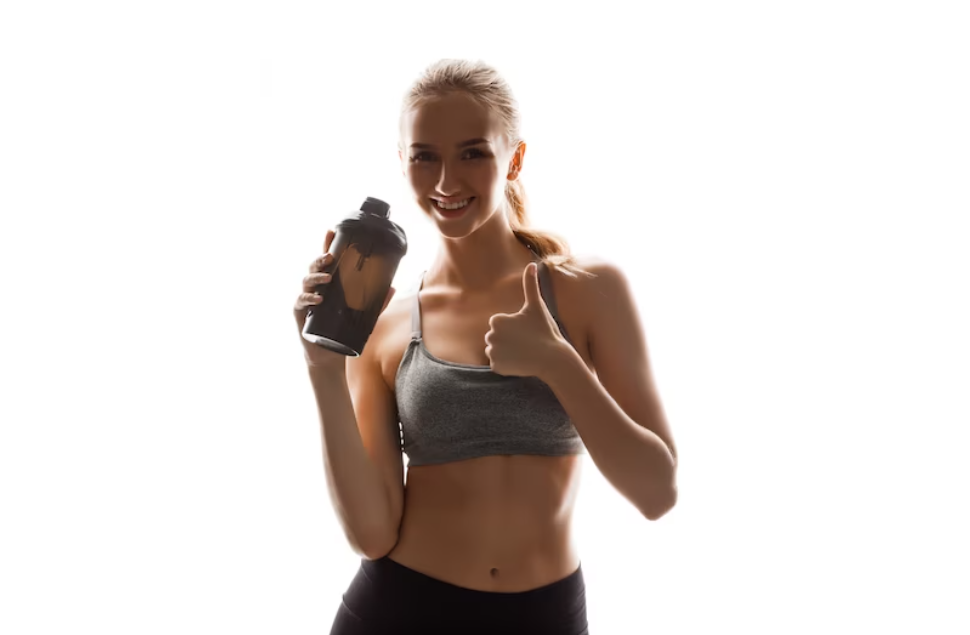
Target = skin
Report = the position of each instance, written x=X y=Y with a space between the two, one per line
x=494 y=523
x=478 y=251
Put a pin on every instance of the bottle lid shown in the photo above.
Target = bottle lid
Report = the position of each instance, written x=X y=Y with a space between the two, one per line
x=376 y=206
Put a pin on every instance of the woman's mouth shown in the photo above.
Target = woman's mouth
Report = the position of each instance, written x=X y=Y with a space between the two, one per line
x=453 y=210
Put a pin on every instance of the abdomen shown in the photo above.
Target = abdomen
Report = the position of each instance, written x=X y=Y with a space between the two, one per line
x=498 y=523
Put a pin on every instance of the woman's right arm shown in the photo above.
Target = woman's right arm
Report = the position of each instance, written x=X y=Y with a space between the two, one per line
x=361 y=452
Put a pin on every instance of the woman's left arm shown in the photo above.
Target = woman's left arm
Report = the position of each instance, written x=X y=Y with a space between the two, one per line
x=617 y=411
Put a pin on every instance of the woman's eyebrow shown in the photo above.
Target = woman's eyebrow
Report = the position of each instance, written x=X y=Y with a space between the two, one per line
x=470 y=142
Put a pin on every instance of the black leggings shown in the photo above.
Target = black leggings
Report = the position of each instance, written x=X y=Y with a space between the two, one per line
x=385 y=597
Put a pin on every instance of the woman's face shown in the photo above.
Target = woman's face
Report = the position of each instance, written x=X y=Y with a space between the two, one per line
x=455 y=151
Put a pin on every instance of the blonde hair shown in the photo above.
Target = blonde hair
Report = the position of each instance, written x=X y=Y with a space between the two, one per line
x=484 y=84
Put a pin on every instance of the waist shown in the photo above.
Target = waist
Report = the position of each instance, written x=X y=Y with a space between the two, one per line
x=496 y=524
x=486 y=558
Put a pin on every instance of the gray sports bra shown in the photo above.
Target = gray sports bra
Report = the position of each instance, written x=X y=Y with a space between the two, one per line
x=452 y=412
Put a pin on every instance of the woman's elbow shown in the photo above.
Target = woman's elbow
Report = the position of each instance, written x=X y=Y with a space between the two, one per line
x=660 y=504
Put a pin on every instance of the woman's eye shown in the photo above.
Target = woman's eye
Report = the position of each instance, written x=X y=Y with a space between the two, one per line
x=473 y=153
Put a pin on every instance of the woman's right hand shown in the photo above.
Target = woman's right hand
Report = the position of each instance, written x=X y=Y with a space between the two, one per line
x=316 y=355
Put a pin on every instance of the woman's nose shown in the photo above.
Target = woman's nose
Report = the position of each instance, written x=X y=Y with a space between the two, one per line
x=447 y=184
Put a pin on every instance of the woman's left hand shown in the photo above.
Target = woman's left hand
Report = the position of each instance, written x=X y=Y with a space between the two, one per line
x=524 y=344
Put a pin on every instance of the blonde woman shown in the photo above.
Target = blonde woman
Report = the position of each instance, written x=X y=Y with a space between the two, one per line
x=511 y=359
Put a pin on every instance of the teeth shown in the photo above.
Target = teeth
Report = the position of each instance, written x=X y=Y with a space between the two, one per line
x=452 y=206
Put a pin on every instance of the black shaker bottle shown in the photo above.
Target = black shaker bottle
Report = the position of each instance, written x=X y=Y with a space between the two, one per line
x=367 y=248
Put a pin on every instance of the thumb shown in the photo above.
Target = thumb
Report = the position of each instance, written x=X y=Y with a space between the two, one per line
x=530 y=284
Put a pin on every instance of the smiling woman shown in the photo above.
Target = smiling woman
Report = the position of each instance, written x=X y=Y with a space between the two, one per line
x=486 y=378
x=460 y=123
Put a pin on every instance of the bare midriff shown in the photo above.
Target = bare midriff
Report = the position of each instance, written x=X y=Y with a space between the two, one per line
x=495 y=523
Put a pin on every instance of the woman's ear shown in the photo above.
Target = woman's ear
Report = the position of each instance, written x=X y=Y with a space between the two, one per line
x=515 y=165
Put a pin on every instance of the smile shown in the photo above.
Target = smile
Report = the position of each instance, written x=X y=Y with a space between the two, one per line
x=453 y=206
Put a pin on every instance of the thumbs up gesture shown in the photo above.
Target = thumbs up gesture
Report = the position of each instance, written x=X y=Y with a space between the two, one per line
x=526 y=343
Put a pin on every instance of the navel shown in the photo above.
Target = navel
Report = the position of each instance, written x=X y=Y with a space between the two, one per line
x=494 y=572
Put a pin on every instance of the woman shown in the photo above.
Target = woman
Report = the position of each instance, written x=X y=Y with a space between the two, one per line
x=501 y=373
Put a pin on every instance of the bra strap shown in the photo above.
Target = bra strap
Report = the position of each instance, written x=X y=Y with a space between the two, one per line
x=416 y=311
x=545 y=287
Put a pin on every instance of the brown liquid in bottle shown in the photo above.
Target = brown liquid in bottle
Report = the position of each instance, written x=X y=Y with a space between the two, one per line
x=367 y=249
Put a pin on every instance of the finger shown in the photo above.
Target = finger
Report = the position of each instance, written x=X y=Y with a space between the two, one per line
x=320 y=262
x=307 y=299
x=300 y=309
x=530 y=285
x=328 y=240
x=314 y=280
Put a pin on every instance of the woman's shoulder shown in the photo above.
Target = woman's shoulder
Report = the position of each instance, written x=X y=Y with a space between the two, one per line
x=575 y=286
x=580 y=270
x=589 y=279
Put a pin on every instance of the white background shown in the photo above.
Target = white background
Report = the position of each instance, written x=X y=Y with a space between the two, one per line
x=786 y=185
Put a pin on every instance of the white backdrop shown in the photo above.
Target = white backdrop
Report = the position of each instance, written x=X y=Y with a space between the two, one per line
x=786 y=186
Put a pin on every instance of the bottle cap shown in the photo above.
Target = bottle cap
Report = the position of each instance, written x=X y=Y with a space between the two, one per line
x=376 y=206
